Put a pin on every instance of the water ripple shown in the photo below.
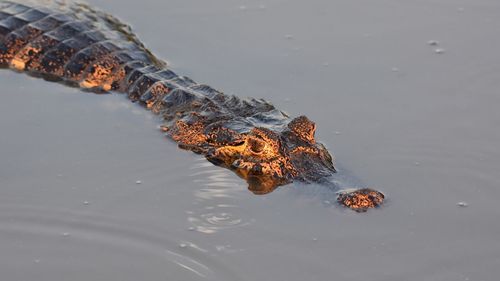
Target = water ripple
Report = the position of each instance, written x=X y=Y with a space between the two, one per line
x=99 y=238
x=216 y=207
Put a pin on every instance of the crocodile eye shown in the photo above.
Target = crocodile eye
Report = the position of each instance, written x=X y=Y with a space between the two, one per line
x=257 y=146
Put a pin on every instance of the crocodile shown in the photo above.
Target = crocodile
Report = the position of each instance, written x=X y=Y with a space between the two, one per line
x=81 y=46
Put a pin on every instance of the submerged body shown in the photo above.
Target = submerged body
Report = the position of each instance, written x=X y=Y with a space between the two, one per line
x=80 y=46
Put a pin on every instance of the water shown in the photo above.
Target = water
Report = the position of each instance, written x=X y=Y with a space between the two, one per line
x=426 y=135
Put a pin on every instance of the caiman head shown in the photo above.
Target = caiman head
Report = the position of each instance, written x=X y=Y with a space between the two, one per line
x=268 y=159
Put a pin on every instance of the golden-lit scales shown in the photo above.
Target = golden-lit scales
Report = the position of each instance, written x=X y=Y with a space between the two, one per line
x=80 y=46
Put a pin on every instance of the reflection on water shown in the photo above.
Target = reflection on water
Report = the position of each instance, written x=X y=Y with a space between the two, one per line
x=215 y=207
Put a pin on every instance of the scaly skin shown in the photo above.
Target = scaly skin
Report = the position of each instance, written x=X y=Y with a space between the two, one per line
x=80 y=46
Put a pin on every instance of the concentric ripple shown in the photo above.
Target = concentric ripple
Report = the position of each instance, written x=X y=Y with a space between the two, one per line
x=215 y=207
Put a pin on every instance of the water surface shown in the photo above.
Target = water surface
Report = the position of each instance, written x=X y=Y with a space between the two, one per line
x=91 y=190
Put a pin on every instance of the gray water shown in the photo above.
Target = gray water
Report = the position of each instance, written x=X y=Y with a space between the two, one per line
x=91 y=190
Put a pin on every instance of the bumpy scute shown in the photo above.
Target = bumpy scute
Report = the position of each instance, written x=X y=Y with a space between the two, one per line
x=303 y=128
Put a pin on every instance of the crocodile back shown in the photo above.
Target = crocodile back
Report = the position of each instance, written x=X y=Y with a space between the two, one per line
x=75 y=44
x=84 y=47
